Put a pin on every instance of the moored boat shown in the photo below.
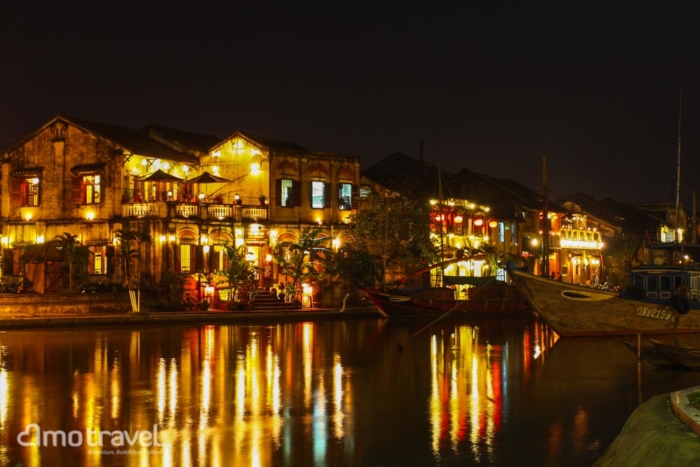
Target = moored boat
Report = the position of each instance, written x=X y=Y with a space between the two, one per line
x=496 y=298
x=574 y=310
x=648 y=353
x=484 y=295
x=688 y=357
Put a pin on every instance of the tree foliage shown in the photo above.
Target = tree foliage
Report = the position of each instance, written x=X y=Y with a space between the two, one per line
x=76 y=258
x=396 y=229
x=239 y=274
x=129 y=251
x=300 y=260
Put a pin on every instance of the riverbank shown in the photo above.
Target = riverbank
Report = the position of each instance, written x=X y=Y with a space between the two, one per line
x=40 y=320
x=665 y=430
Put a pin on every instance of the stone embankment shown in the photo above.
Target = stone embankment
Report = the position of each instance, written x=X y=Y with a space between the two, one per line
x=663 y=431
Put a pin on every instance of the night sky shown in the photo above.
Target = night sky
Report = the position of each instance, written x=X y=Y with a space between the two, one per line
x=489 y=88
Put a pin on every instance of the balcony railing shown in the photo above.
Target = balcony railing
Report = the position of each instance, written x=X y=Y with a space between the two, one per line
x=210 y=211
x=140 y=209
x=186 y=209
x=575 y=238
x=259 y=213
x=219 y=211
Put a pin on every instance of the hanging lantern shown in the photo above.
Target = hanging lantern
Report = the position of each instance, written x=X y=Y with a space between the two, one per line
x=478 y=221
x=493 y=224
x=458 y=219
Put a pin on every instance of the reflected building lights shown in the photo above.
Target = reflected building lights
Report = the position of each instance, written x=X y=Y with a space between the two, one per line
x=320 y=424
x=338 y=415
x=115 y=390
x=435 y=410
x=227 y=395
x=161 y=390
x=4 y=396
x=307 y=359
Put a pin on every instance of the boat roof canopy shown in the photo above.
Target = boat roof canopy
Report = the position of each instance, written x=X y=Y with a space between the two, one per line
x=471 y=280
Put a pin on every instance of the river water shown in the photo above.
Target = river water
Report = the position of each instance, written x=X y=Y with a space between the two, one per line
x=490 y=391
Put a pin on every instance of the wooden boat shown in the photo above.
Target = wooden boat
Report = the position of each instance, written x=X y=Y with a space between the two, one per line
x=688 y=357
x=485 y=295
x=573 y=310
x=497 y=298
x=652 y=355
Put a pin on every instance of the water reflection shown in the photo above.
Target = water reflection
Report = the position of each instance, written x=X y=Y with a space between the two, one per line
x=303 y=393
x=469 y=382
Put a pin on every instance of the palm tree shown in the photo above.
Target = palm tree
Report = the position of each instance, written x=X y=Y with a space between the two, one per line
x=239 y=274
x=74 y=253
x=300 y=259
x=129 y=260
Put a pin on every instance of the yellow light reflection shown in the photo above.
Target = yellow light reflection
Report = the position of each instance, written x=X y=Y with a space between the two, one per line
x=4 y=397
x=338 y=414
x=307 y=359
x=160 y=389
x=115 y=390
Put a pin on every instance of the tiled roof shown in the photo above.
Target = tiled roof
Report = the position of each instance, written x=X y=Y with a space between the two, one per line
x=505 y=197
x=83 y=168
x=199 y=141
x=635 y=220
x=264 y=141
x=408 y=176
x=132 y=140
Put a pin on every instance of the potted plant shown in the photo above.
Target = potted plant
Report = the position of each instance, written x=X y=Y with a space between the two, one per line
x=263 y=200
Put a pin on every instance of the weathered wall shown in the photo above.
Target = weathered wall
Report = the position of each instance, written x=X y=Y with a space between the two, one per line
x=20 y=304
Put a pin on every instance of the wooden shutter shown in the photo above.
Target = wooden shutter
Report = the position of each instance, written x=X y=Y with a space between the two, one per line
x=177 y=267
x=296 y=192
x=7 y=262
x=278 y=191
x=111 y=261
x=327 y=195
x=198 y=258
x=77 y=190
x=16 y=191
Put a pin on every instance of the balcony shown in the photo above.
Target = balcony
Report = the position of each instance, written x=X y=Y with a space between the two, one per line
x=143 y=209
x=575 y=238
x=205 y=211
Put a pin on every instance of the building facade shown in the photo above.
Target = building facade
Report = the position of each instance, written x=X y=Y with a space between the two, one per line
x=190 y=193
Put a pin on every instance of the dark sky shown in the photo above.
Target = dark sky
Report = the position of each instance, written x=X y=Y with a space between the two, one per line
x=488 y=86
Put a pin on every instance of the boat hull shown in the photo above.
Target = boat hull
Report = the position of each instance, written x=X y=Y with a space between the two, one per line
x=652 y=355
x=397 y=305
x=687 y=357
x=572 y=310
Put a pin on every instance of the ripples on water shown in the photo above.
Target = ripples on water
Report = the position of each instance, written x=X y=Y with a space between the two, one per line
x=500 y=391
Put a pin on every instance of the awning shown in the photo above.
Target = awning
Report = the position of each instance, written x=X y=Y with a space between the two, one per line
x=29 y=171
x=88 y=168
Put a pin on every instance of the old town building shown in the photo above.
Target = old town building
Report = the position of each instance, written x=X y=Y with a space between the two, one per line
x=191 y=193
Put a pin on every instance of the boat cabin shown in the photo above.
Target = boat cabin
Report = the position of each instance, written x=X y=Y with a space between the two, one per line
x=662 y=282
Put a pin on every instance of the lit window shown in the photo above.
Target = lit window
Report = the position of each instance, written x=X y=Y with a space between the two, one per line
x=185 y=258
x=317 y=192
x=98 y=260
x=286 y=192
x=91 y=189
x=26 y=191
x=345 y=196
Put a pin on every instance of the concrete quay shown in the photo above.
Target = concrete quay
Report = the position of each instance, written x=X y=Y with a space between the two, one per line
x=43 y=320
x=663 y=431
